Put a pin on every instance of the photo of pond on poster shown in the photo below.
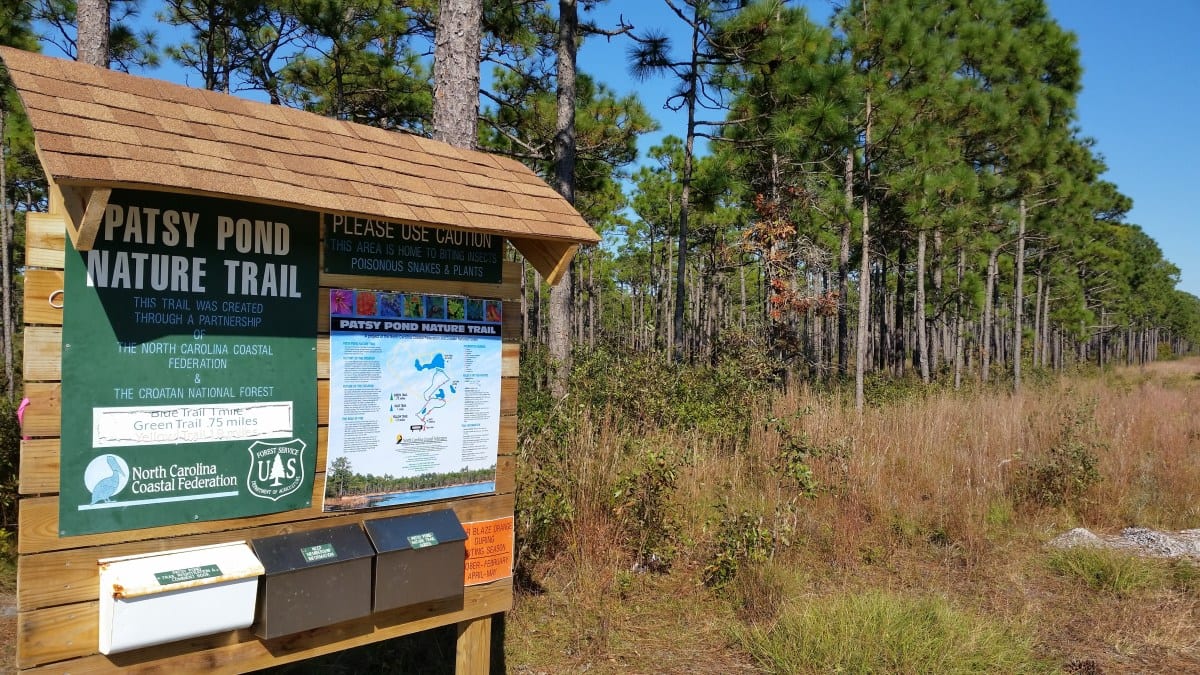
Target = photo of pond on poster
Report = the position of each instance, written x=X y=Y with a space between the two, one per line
x=414 y=404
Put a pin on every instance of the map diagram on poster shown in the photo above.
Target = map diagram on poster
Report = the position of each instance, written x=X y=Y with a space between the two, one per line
x=414 y=403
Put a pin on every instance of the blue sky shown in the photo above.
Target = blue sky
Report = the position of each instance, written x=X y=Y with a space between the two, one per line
x=1141 y=87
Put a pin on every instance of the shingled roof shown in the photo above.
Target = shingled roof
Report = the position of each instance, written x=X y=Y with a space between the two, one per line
x=98 y=129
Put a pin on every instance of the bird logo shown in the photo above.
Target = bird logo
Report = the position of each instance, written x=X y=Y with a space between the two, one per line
x=105 y=476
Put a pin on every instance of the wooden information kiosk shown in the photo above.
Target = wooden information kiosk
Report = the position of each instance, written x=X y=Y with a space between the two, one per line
x=272 y=363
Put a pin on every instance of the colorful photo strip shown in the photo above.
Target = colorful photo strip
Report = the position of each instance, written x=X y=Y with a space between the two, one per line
x=346 y=302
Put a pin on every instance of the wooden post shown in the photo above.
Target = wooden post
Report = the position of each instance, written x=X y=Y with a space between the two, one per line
x=474 y=652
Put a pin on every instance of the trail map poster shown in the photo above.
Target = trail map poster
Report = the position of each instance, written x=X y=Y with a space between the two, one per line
x=189 y=364
x=414 y=398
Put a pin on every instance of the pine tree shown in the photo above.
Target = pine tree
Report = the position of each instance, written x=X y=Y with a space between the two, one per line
x=697 y=91
x=18 y=168
x=356 y=64
x=456 y=72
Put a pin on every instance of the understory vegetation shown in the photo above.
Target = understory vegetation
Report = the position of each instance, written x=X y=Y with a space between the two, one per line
x=681 y=520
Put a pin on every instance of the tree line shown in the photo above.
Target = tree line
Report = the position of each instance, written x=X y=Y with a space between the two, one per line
x=901 y=191
x=344 y=481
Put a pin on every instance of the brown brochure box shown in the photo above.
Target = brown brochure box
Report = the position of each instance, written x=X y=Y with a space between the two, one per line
x=313 y=579
x=420 y=559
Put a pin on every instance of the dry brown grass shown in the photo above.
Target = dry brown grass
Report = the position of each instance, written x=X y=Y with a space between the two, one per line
x=916 y=496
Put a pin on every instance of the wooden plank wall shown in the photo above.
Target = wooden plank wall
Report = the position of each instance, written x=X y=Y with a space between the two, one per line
x=57 y=578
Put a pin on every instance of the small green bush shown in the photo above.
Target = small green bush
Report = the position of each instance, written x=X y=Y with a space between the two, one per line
x=642 y=503
x=880 y=632
x=1067 y=471
x=648 y=392
x=742 y=537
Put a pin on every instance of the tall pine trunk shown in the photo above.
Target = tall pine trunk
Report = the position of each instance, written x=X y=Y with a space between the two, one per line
x=922 y=338
x=7 y=232
x=864 y=270
x=899 y=352
x=989 y=308
x=1018 y=295
x=937 y=342
x=1036 y=351
x=959 y=321
x=91 y=42
x=843 y=328
x=678 y=344
x=564 y=178
x=456 y=72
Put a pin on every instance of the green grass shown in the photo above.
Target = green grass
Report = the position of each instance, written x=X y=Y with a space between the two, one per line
x=1122 y=573
x=881 y=632
x=1105 y=570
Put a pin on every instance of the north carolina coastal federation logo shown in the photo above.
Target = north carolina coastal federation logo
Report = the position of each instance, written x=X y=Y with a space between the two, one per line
x=276 y=469
x=105 y=477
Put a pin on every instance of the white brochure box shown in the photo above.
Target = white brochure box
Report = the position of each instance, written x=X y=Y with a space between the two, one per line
x=162 y=597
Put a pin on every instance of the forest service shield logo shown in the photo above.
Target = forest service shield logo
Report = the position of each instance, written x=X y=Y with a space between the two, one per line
x=276 y=469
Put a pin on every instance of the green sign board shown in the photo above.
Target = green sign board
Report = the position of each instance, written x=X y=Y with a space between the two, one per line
x=368 y=247
x=189 y=364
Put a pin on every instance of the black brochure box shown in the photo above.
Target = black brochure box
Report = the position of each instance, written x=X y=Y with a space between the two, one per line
x=419 y=558
x=313 y=579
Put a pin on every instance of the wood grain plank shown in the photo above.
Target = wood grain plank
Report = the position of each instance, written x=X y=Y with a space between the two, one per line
x=511 y=364
x=45 y=237
x=43 y=353
x=71 y=576
x=322 y=357
x=39 y=286
x=240 y=651
x=511 y=328
x=506 y=474
x=42 y=417
x=39 y=466
x=474 y=647
x=57 y=633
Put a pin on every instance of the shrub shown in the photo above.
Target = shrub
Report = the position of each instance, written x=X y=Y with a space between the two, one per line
x=543 y=503
x=880 y=632
x=1067 y=470
x=642 y=504
x=742 y=537
x=650 y=393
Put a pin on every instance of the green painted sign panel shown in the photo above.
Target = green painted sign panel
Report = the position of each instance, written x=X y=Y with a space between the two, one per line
x=189 y=364
x=187 y=574
x=318 y=552
x=364 y=246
